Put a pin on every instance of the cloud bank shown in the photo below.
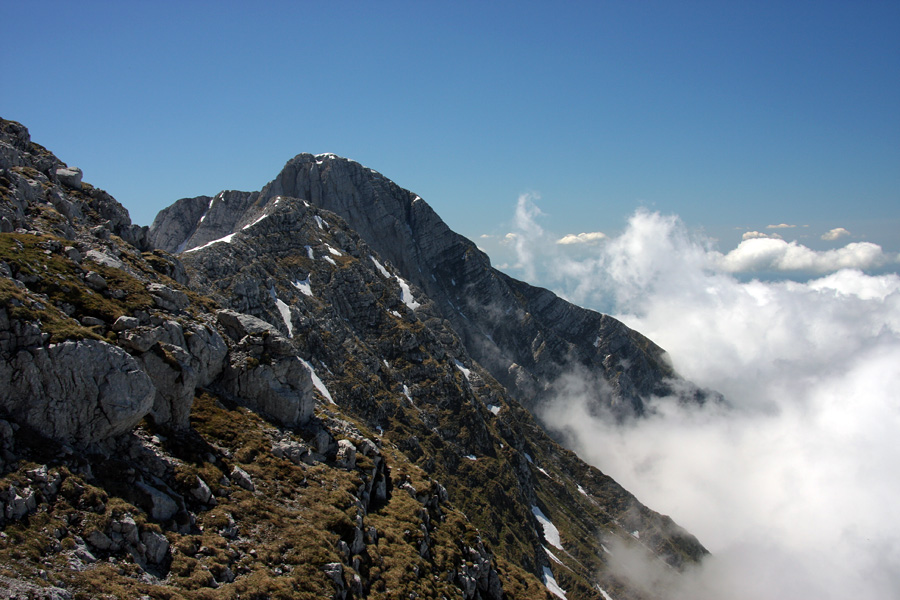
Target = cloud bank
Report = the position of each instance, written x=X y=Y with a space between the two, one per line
x=793 y=486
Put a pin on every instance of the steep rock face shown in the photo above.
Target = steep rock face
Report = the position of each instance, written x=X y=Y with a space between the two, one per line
x=525 y=336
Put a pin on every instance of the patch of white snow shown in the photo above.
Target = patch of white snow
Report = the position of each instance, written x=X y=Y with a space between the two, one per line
x=254 y=222
x=284 y=309
x=317 y=383
x=304 y=286
x=551 y=533
x=309 y=252
x=226 y=239
x=380 y=267
x=494 y=408
x=550 y=582
x=320 y=221
x=406 y=294
x=329 y=259
x=463 y=369
x=471 y=457
x=333 y=251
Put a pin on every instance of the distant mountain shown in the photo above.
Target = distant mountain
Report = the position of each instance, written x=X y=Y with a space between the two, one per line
x=311 y=400
x=526 y=337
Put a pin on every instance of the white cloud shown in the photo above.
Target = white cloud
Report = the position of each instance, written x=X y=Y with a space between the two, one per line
x=793 y=487
x=834 y=234
x=753 y=235
x=768 y=254
x=582 y=238
x=780 y=226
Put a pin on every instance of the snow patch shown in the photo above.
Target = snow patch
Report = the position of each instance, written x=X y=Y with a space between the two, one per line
x=406 y=393
x=304 y=286
x=284 y=309
x=309 y=252
x=396 y=314
x=333 y=251
x=322 y=223
x=550 y=582
x=603 y=593
x=463 y=369
x=380 y=267
x=226 y=239
x=528 y=458
x=581 y=489
x=552 y=556
x=317 y=383
x=331 y=260
x=546 y=474
x=551 y=533
x=471 y=457
x=254 y=222
x=494 y=408
x=636 y=534
x=406 y=294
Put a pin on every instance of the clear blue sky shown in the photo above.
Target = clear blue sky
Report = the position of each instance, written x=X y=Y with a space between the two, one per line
x=730 y=114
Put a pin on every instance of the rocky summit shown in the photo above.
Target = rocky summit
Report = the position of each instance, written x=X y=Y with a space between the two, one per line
x=316 y=390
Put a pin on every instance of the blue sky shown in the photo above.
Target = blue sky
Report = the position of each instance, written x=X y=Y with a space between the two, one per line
x=734 y=116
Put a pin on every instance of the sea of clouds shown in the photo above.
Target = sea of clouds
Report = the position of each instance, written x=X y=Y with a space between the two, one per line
x=793 y=485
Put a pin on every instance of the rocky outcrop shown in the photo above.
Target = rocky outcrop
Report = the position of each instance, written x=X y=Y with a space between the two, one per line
x=264 y=372
x=79 y=392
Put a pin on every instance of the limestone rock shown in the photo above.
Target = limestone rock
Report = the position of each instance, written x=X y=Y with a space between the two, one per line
x=76 y=392
x=69 y=176
x=243 y=479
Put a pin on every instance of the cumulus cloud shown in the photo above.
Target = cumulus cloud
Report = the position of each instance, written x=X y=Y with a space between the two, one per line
x=771 y=254
x=834 y=234
x=753 y=235
x=780 y=226
x=793 y=484
x=582 y=238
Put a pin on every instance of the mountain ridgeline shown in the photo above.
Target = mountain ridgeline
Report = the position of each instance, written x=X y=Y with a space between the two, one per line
x=315 y=390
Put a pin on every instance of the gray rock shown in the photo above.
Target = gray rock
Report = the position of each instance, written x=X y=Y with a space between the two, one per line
x=127 y=528
x=124 y=323
x=73 y=254
x=292 y=451
x=335 y=572
x=76 y=392
x=156 y=546
x=201 y=491
x=140 y=339
x=281 y=389
x=167 y=298
x=242 y=478
x=19 y=503
x=91 y=321
x=69 y=176
x=162 y=506
x=95 y=280
x=99 y=540
x=346 y=454
x=102 y=258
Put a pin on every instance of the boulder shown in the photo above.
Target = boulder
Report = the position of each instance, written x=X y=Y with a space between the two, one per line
x=79 y=392
x=69 y=176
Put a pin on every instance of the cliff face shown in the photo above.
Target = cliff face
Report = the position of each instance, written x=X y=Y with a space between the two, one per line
x=524 y=336
x=289 y=408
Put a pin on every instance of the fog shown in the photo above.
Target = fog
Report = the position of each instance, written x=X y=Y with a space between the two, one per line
x=793 y=484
